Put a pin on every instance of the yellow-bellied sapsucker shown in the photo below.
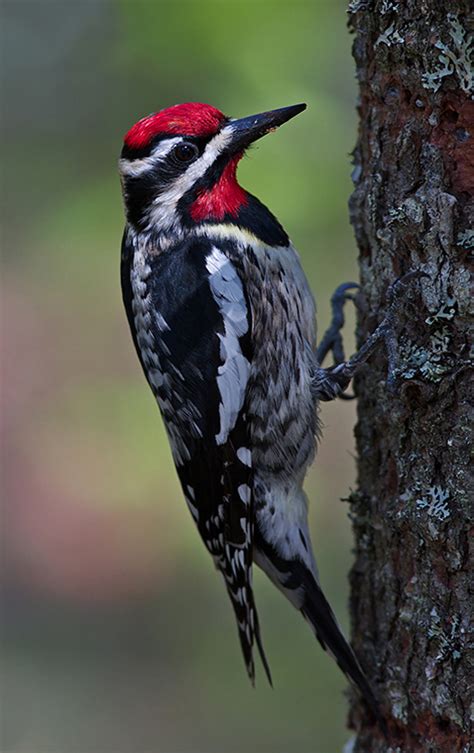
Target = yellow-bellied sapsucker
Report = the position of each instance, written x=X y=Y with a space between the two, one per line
x=223 y=321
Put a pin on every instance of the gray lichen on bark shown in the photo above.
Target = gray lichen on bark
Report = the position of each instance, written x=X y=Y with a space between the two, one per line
x=412 y=511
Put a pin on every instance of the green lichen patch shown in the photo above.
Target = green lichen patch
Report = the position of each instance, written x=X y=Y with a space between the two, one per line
x=435 y=503
x=398 y=701
x=434 y=358
x=388 y=6
x=466 y=240
x=431 y=362
x=390 y=36
x=359 y=5
x=455 y=59
x=440 y=340
x=446 y=638
x=428 y=503
x=446 y=312
x=409 y=212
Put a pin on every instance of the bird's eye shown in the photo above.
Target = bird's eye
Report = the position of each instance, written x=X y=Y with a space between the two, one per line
x=185 y=152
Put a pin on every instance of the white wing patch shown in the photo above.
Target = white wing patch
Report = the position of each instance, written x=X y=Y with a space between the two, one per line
x=233 y=374
x=245 y=493
x=245 y=456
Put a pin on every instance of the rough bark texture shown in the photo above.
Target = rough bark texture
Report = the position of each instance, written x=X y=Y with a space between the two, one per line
x=412 y=511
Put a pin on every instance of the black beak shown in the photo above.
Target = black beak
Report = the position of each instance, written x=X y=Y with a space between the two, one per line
x=247 y=130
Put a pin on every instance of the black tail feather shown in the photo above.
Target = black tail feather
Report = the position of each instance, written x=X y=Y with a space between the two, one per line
x=261 y=651
x=319 y=614
x=299 y=585
x=249 y=631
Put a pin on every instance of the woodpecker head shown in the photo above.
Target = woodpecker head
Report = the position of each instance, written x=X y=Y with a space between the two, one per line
x=178 y=166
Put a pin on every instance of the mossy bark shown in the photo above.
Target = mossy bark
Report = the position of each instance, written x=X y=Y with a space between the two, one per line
x=412 y=511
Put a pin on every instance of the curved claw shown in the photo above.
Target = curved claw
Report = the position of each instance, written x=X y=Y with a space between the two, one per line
x=333 y=381
x=332 y=340
x=396 y=287
x=341 y=289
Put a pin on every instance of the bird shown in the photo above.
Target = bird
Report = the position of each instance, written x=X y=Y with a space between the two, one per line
x=224 y=325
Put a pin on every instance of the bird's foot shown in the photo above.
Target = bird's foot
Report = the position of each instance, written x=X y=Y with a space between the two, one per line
x=331 y=342
x=331 y=382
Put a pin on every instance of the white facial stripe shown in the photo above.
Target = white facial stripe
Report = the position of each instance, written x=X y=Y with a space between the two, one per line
x=164 y=147
x=135 y=167
x=163 y=211
x=213 y=150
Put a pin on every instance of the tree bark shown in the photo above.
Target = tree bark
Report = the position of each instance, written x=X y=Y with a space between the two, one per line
x=412 y=511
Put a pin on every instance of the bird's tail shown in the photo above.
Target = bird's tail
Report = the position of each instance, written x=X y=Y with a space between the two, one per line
x=300 y=586
x=238 y=582
x=317 y=611
x=249 y=629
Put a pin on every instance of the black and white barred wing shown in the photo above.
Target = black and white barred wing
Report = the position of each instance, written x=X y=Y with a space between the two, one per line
x=192 y=331
x=218 y=485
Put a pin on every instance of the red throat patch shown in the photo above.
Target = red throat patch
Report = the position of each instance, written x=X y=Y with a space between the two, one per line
x=224 y=197
x=190 y=119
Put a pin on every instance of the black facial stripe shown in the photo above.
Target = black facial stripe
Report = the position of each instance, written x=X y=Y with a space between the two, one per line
x=140 y=190
x=210 y=177
x=131 y=153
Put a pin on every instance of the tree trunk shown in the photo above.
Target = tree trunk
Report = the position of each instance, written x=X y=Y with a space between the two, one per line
x=413 y=175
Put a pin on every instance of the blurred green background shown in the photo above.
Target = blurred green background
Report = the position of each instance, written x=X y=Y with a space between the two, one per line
x=117 y=634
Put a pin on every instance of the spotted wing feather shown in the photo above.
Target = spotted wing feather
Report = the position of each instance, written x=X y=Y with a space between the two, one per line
x=191 y=326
